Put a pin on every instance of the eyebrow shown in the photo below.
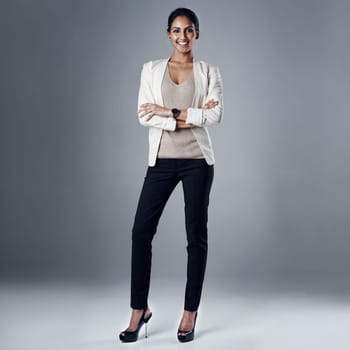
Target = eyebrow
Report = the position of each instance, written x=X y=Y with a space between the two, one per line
x=192 y=26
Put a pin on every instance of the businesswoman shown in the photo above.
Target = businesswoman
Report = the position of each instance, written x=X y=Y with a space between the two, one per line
x=179 y=97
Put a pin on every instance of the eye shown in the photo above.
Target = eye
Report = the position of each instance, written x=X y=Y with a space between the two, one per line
x=190 y=30
x=175 y=30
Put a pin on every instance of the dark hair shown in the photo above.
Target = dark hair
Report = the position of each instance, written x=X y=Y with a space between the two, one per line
x=182 y=11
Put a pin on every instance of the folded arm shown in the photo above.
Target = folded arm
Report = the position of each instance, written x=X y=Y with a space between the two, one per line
x=148 y=111
x=212 y=115
x=182 y=119
x=151 y=114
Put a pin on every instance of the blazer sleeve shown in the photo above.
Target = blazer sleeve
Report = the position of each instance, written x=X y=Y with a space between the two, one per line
x=146 y=96
x=206 y=117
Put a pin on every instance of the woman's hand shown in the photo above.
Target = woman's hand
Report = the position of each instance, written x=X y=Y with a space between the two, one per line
x=181 y=123
x=151 y=109
x=211 y=104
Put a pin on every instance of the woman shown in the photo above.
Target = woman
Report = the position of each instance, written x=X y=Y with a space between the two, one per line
x=178 y=98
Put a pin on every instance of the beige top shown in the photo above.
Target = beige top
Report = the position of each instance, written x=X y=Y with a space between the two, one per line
x=180 y=143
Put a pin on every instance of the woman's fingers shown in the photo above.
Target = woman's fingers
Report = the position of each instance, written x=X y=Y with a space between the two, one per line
x=211 y=104
x=144 y=109
x=149 y=116
x=212 y=101
x=152 y=109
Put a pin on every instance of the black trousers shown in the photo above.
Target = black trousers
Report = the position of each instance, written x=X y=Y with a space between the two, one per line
x=196 y=177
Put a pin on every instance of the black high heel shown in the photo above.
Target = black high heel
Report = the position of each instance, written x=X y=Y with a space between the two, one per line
x=129 y=336
x=189 y=335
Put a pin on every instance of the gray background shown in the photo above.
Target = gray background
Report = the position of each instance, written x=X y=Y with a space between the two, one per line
x=73 y=155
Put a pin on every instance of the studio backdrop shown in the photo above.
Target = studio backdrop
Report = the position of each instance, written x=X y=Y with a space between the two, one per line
x=74 y=156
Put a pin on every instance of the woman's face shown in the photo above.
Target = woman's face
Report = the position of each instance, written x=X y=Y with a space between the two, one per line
x=182 y=34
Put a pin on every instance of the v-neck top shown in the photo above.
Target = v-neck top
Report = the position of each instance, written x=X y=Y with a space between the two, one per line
x=180 y=143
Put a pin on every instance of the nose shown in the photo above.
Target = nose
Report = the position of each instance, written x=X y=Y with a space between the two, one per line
x=183 y=35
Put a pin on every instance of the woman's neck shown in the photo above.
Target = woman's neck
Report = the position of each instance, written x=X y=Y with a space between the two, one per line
x=177 y=57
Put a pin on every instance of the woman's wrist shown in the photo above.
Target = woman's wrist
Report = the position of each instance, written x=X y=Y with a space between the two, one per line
x=169 y=113
x=180 y=124
x=182 y=116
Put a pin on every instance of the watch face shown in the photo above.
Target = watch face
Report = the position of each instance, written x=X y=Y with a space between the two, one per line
x=176 y=112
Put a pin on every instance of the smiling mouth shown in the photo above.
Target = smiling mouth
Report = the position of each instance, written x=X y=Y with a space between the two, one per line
x=185 y=43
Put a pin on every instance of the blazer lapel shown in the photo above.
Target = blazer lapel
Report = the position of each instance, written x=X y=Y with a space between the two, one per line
x=157 y=81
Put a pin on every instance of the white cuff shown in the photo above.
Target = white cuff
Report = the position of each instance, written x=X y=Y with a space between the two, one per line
x=194 y=116
x=170 y=124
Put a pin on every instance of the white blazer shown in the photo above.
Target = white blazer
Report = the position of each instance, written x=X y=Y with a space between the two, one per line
x=208 y=85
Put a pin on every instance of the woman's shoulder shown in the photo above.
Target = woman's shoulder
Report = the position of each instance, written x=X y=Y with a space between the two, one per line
x=155 y=63
x=207 y=67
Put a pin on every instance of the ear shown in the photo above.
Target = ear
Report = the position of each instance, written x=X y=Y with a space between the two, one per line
x=197 y=34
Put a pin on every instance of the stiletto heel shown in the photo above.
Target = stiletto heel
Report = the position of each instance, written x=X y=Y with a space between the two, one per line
x=189 y=335
x=131 y=336
x=146 y=321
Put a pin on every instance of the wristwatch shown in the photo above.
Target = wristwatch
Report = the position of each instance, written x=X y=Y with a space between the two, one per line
x=175 y=112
